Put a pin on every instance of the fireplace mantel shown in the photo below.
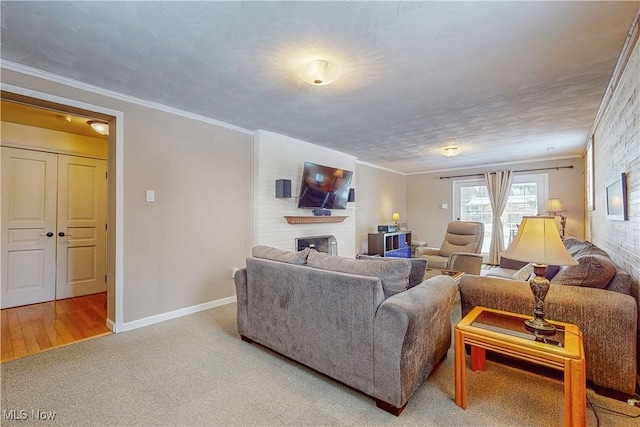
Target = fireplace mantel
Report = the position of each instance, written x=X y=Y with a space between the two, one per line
x=314 y=219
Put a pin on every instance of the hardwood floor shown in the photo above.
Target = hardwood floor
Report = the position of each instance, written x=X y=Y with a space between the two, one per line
x=30 y=329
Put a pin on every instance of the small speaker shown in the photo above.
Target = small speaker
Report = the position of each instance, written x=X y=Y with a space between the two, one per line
x=352 y=195
x=321 y=212
x=283 y=188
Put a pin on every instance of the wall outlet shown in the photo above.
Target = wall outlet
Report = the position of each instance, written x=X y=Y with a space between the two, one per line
x=234 y=270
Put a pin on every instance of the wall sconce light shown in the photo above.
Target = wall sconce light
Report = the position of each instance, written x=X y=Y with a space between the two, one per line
x=352 y=195
x=283 y=188
x=101 y=127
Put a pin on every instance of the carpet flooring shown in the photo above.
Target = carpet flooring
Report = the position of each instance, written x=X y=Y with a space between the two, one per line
x=196 y=371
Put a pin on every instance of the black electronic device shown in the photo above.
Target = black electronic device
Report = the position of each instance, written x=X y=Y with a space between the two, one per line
x=324 y=187
x=283 y=188
x=321 y=212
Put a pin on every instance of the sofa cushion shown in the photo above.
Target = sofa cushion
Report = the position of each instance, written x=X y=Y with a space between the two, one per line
x=418 y=268
x=393 y=273
x=275 y=254
x=594 y=271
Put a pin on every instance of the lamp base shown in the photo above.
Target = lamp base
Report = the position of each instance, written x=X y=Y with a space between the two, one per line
x=539 y=326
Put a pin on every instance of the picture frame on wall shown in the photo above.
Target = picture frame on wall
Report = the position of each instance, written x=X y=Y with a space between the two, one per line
x=616 y=193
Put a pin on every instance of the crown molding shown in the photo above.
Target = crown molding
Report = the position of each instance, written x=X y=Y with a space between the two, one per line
x=55 y=78
x=630 y=43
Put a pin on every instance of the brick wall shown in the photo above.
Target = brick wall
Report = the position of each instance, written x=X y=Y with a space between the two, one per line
x=616 y=149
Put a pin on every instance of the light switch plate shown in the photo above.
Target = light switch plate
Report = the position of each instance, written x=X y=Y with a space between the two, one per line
x=150 y=196
x=445 y=206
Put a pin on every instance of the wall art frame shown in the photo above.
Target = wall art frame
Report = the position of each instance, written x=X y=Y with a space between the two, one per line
x=616 y=193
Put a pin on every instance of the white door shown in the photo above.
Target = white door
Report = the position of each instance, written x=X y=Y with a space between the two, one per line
x=28 y=227
x=81 y=234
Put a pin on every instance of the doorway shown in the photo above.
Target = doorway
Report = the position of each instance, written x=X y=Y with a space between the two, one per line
x=113 y=294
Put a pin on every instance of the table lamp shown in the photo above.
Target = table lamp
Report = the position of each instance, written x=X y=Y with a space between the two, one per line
x=553 y=207
x=395 y=217
x=539 y=242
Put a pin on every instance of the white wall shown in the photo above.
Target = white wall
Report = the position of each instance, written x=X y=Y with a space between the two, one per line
x=280 y=157
x=617 y=150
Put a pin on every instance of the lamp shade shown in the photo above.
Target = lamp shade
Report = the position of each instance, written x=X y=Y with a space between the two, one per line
x=554 y=205
x=538 y=241
x=395 y=216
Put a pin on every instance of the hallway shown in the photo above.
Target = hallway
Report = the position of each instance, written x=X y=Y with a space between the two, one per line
x=33 y=328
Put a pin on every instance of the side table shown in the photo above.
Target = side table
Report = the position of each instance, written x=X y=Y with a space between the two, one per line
x=504 y=333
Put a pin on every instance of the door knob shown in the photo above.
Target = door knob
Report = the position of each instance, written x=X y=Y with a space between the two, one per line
x=50 y=234
x=61 y=234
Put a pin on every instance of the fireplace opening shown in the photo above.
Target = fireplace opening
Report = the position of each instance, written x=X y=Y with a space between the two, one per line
x=327 y=244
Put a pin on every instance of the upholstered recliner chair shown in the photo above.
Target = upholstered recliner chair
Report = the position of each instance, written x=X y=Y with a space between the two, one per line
x=460 y=250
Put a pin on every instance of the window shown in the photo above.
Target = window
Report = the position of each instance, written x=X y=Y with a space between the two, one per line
x=589 y=169
x=471 y=203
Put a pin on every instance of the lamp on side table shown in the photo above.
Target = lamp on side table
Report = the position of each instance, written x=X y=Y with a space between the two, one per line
x=539 y=242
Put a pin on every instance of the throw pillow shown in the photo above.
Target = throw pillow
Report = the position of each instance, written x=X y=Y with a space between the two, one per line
x=594 y=271
x=275 y=254
x=418 y=267
x=393 y=273
x=526 y=272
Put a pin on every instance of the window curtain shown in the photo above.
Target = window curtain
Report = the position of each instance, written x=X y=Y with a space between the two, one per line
x=499 y=189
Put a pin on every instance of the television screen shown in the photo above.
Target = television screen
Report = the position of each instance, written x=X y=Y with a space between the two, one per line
x=324 y=187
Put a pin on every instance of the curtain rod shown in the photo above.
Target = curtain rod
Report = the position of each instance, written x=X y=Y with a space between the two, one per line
x=523 y=170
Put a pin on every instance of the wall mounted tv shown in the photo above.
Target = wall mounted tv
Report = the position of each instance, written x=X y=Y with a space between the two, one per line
x=324 y=187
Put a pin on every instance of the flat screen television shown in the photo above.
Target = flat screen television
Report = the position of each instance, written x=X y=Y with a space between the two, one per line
x=324 y=187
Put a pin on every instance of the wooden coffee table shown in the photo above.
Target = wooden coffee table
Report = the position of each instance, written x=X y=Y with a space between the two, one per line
x=504 y=333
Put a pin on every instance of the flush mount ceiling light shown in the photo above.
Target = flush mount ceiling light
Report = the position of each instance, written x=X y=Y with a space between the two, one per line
x=101 y=127
x=319 y=72
x=451 y=151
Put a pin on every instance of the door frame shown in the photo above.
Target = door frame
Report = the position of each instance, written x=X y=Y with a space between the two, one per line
x=115 y=214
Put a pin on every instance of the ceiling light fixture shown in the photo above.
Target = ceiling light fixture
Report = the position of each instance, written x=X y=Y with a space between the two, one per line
x=101 y=127
x=451 y=151
x=319 y=72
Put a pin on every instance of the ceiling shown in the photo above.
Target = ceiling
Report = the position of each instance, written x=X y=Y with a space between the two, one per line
x=504 y=81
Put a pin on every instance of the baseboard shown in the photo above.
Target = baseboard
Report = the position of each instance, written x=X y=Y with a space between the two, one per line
x=129 y=326
x=111 y=325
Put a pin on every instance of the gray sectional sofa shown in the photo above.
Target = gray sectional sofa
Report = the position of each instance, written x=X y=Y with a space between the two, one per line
x=596 y=295
x=361 y=322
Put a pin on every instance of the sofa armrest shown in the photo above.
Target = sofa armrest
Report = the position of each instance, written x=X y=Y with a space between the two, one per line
x=412 y=333
x=608 y=321
x=422 y=250
x=240 y=280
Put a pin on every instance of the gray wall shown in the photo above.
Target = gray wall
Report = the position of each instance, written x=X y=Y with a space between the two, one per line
x=178 y=251
x=379 y=193
x=427 y=192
